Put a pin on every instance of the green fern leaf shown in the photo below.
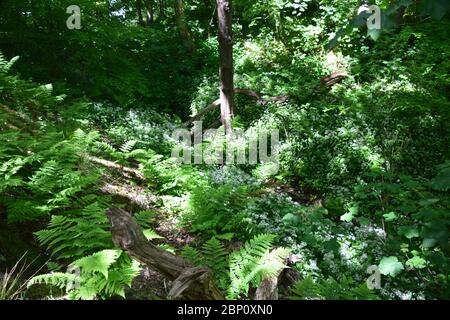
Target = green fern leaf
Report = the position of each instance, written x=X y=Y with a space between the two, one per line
x=98 y=262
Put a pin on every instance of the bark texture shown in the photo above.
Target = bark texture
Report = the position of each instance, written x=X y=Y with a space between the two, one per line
x=188 y=281
x=224 y=16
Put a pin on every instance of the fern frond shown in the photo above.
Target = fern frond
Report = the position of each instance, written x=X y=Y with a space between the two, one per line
x=191 y=254
x=144 y=218
x=6 y=65
x=98 y=262
x=105 y=147
x=253 y=263
x=330 y=289
x=150 y=234
x=128 y=146
x=305 y=289
x=215 y=257
x=57 y=279
x=212 y=255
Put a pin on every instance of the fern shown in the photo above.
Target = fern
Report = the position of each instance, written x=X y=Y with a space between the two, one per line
x=45 y=176
x=212 y=255
x=253 y=263
x=167 y=247
x=237 y=271
x=215 y=210
x=57 y=279
x=74 y=237
x=215 y=257
x=128 y=146
x=102 y=274
x=98 y=262
x=5 y=65
x=101 y=146
x=150 y=234
x=144 y=218
x=192 y=255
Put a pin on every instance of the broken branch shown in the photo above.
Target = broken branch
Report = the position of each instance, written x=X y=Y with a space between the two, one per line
x=189 y=281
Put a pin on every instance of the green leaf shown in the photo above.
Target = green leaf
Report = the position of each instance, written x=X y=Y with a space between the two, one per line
x=291 y=219
x=428 y=202
x=390 y=266
x=150 y=234
x=225 y=236
x=168 y=248
x=428 y=243
x=363 y=221
x=409 y=232
x=331 y=245
x=88 y=292
x=98 y=262
x=47 y=87
x=353 y=211
x=416 y=262
x=391 y=216
x=437 y=231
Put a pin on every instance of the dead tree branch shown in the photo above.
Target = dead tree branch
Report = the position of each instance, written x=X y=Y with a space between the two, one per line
x=258 y=96
x=188 y=281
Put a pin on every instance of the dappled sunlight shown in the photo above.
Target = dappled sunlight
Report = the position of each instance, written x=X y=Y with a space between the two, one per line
x=181 y=150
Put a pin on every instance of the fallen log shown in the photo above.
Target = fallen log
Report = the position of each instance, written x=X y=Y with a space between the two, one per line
x=17 y=121
x=212 y=106
x=135 y=195
x=258 y=96
x=326 y=82
x=260 y=99
x=188 y=281
x=334 y=78
x=112 y=165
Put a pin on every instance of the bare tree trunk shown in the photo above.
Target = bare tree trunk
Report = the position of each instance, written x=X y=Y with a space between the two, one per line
x=224 y=14
x=149 y=5
x=183 y=27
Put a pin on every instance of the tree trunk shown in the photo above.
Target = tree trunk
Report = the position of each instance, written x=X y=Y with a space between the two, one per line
x=149 y=5
x=224 y=14
x=162 y=8
x=268 y=289
x=188 y=281
x=183 y=27
x=260 y=100
x=139 y=12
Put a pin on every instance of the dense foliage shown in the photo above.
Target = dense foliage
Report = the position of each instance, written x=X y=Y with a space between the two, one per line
x=86 y=123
